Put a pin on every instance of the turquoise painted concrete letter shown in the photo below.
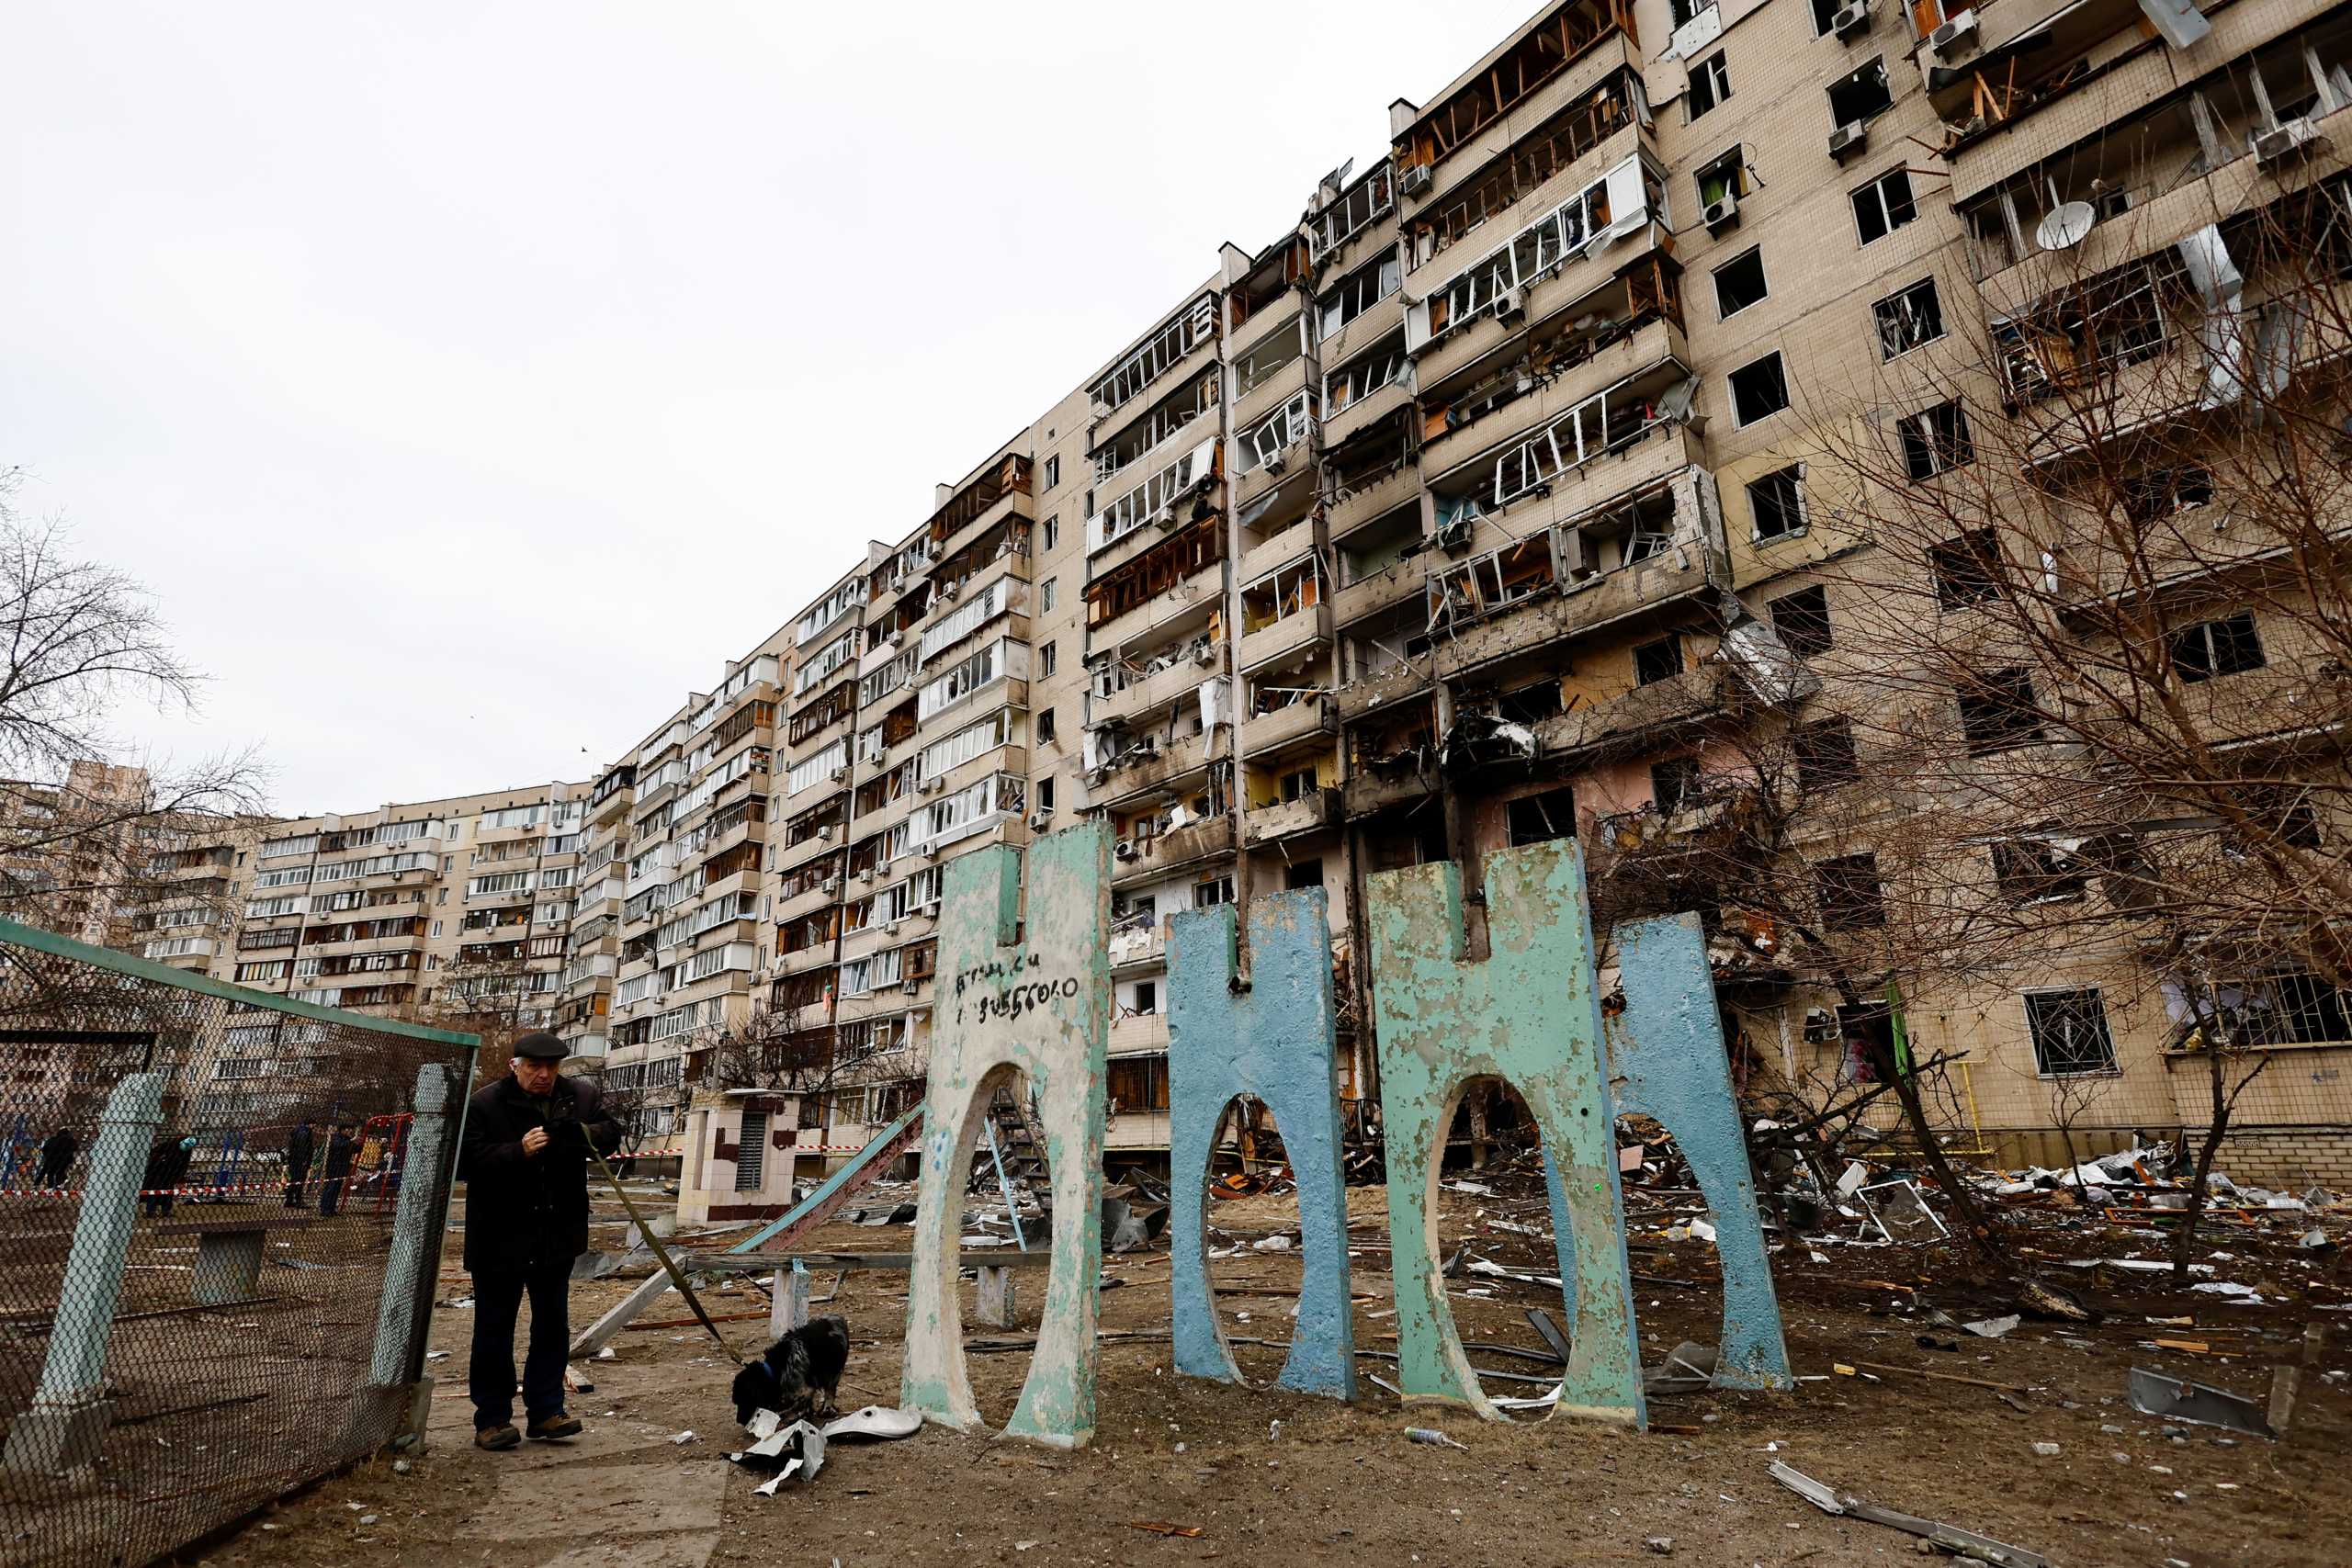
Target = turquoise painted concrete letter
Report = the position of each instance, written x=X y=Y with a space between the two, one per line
x=1274 y=1041
x=1529 y=1015
x=1040 y=1005
x=1667 y=1062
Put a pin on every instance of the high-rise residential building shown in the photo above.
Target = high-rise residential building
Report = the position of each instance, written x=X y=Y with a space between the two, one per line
x=1471 y=511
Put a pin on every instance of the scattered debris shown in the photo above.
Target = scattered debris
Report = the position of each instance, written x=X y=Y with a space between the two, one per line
x=2153 y=1393
x=1160 y=1526
x=1941 y=1537
x=1431 y=1435
x=879 y=1422
x=1992 y=1327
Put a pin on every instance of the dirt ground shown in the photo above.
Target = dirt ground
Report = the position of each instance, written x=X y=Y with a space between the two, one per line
x=1276 y=1478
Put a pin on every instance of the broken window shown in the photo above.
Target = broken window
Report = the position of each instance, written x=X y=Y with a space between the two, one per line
x=1934 y=440
x=1908 y=320
x=1358 y=380
x=1723 y=179
x=1998 y=711
x=1883 y=206
x=1534 y=819
x=1496 y=580
x=1266 y=444
x=1284 y=593
x=1659 y=660
x=2114 y=319
x=2069 y=1029
x=2034 y=871
x=1155 y=497
x=2160 y=492
x=1759 y=389
x=1860 y=96
x=1776 y=504
x=1138 y=439
x=2226 y=646
x=1823 y=754
x=1357 y=293
x=1825 y=16
x=1847 y=890
x=1673 y=784
x=2292 y=1009
x=1605 y=423
x=1214 y=891
x=1532 y=251
x=1802 y=619
x=1368 y=198
x=1264 y=360
x=1539 y=55
x=1739 y=282
x=1710 y=83
x=1533 y=159
x=1196 y=325
x=1967 y=569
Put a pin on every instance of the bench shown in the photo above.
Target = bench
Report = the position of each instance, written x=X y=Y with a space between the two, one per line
x=228 y=1253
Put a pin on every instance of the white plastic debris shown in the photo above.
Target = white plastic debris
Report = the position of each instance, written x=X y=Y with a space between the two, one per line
x=682 y=1438
x=1276 y=1243
x=2230 y=1290
x=1992 y=1327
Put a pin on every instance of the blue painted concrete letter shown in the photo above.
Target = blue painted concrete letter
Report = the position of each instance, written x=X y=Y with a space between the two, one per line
x=1530 y=1015
x=1274 y=1041
x=1040 y=1005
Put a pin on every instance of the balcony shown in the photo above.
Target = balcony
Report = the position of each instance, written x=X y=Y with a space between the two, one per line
x=1164 y=616
x=1255 y=492
x=1156 y=692
x=1592 y=60
x=1141 y=944
x=1279 y=551
x=1164 y=854
x=1655 y=341
x=1633 y=720
x=1384 y=590
x=1367 y=693
x=1307 y=717
x=1136 y=1035
x=1371 y=794
x=800 y=960
x=1590 y=604
x=1370 y=501
x=1296 y=631
x=1353 y=420
x=1169 y=764
x=1271 y=393
x=1316 y=809
x=826 y=841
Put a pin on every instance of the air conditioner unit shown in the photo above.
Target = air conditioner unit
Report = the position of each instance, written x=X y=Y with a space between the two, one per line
x=1850 y=19
x=825 y=834
x=1126 y=849
x=889 y=927
x=1165 y=517
x=1723 y=213
x=831 y=884
x=840 y=775
x=1037 y=820
x=1099 y=410
x=1279 y=461
x=1414 y=180
x=865 y=874
x=2284 y=140
x=1848 y=139
x=1512 y=305
x=1948 y=36
x=949 y=590
x=1205 y=654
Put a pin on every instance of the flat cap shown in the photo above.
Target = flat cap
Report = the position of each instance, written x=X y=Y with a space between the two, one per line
x=541 y=1045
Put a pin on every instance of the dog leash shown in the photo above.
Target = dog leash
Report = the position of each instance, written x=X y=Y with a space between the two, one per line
x=677 y=1275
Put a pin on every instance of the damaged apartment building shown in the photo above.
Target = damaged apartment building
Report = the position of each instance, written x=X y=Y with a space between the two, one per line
x=1446 y=520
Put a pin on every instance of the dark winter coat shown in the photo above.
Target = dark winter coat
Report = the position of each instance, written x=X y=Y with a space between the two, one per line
x=530 y=1211
x=168 y=1164
x=341 y=1149
x=299 y=1145
x=57 y=1155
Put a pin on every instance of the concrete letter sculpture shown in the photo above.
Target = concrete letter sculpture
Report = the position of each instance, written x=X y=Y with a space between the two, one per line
x=1529 y=1015
x=1273 y=1041
x=1041 y=1005
x=1667 y=1061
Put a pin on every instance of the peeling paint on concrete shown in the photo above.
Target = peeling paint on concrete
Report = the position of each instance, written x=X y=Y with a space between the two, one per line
x=1276 y=1041
x=1667 y=1062
x=1530 y=1014
x=1040 y=1005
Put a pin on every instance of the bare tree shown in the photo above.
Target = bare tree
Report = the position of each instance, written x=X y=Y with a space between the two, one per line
x=83 y=819
x=761 y=1051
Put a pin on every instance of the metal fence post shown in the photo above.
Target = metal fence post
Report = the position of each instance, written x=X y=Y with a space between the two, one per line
x=415 y=1227
x=67 y=1419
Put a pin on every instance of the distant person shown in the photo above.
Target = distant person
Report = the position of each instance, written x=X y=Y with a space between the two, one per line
x=56 y=1157
x=300 y=1145
x=341 y=1148
x=167 y=1165
x=526 y=1162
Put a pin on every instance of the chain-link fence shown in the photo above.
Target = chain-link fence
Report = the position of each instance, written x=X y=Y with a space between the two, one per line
x=221 y=1213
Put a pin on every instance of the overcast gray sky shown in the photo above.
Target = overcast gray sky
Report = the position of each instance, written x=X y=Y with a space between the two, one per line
x=471 y=381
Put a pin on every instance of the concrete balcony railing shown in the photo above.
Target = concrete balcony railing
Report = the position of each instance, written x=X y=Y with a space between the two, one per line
x=1156 y=692
x=1133 y=1034
x=1315 y=809
x=1372 y=793
x=1369 y=694
x=808 y=902
x=1189 y=603
x=1384 y=590
x=1481 y=439
x=1300 y=630
x=1634 y=719
x=1163 y=854
x=1595 y=604
x=800 y=960
x=1139 y=945
x=1270 y=394
x=1465 y=159
x=1264 y=732
x=1172 y=762
x=1341 y=428
x=1295 y=482
x=1290 y=545
x=1373 y=500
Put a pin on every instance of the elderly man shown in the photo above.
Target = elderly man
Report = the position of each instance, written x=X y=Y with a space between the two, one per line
x=526 y=1165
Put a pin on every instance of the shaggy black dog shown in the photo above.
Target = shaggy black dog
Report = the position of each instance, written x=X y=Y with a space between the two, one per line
x=800 y=1373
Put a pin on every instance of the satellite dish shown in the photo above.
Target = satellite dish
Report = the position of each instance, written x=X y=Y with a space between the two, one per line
x=2065 y=226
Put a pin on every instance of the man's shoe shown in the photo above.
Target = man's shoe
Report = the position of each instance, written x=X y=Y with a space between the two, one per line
x=495 y=1438
x=547 y=1428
